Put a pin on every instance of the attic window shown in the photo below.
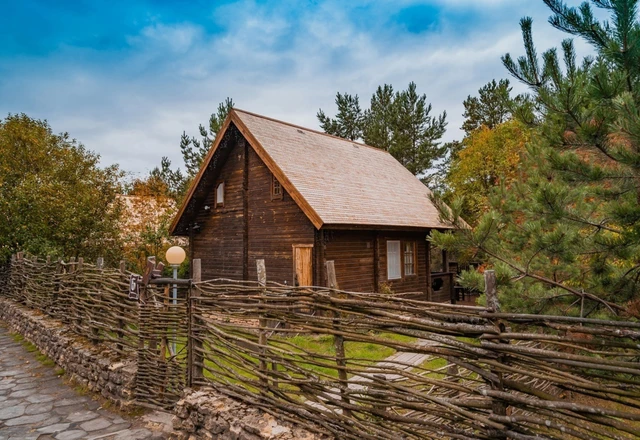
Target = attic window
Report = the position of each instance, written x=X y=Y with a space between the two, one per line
x=220 y=194
x=276 y=189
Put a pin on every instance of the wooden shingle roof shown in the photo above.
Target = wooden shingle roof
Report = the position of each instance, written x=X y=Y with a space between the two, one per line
x=334 y=181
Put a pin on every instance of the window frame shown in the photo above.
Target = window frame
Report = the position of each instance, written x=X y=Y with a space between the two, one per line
x=216 y=203
x=414 y=256
x=275 y=181
x=401 y=258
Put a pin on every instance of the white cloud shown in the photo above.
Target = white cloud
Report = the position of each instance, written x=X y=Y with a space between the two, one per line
x=131 y=106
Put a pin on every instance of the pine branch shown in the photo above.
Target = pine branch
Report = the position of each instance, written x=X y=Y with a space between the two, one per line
x=614 y=308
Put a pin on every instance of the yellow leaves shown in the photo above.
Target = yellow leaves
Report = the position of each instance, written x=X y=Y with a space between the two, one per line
x=490 y=157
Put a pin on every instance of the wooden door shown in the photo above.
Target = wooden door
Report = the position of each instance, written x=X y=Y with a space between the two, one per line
x=302 y=264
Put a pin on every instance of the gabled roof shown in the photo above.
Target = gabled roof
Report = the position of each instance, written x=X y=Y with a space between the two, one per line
x=333 y=180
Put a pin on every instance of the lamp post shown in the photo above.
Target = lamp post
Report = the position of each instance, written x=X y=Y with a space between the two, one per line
x=175 y=256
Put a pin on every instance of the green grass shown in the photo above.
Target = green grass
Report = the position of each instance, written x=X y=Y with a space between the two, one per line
x=313 y=354
x=31 y=348
x=362 y=353
x=432 y=365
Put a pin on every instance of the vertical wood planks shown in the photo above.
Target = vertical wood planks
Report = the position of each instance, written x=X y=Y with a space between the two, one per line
x=428 y=264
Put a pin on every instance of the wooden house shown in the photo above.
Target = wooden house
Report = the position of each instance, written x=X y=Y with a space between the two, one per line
x=297 y=198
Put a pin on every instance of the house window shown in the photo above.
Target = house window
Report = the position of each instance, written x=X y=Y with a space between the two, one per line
x=409 y=258
x=220 y=194
x=394 y=266
x=276 y=188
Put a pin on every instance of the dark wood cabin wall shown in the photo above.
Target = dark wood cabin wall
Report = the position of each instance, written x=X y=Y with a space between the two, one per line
x=444 y=293
x=353 y=256
x=219 y=242
x=274 y=225
x=412 y=283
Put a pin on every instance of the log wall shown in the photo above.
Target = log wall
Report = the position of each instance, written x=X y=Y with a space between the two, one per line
x=222 y=253
x=271 y=227
x=411 y=283
x=353 y=256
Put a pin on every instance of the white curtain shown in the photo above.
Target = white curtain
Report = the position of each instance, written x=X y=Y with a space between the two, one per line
x=393 y=260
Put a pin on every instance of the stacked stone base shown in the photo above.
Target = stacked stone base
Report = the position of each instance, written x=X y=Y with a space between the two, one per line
x=202 y=414
x=93 y=366
x=207 y=414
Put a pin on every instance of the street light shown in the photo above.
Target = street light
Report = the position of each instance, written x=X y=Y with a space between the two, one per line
x=175 y=256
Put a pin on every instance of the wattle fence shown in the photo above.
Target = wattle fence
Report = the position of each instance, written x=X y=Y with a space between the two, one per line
x=354 y=365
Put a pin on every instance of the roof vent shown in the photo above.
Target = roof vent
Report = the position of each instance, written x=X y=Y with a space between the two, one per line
x=300 y=131
x=355 y=145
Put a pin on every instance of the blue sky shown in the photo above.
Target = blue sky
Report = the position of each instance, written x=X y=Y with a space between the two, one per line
x=126 y=78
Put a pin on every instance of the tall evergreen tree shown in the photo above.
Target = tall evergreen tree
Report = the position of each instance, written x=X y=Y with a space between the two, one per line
x=166 y=182
x=565 y=238
x=400 y=123
x=491 y=107
x=415 y=132
x=349 y=120
x=380 y=118
x=193 y=149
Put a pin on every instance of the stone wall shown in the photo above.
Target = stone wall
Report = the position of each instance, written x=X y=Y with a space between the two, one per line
x=202 y=414
x=91 y=365
x=207 y=414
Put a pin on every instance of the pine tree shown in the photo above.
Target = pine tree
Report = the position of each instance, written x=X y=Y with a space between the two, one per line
x=399 y=123
x=565 y=237
x=194 y=150
x=415 y=132
x=166 y=182
x=380 y=118
x=349 y=120
x=491 y=107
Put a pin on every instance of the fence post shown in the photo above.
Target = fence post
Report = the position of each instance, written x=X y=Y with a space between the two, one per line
x=195 y=359
x=120 y=321
x=20 y=284
x=262 y=335
x=56 y=288
x=498 y=407
x=338 y=340
x=378 y=392
x=96 y=310
x=79 y=318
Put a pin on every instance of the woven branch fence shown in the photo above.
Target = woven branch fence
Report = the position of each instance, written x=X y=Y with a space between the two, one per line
x=93 y=302
x=359 y=365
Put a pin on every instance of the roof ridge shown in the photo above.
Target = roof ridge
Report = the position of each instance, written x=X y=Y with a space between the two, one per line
x=308 y=129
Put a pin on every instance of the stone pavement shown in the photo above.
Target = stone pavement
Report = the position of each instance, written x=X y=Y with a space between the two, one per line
x=36 y=404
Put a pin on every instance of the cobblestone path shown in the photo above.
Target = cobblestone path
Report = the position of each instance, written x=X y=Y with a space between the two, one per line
x=36 y=404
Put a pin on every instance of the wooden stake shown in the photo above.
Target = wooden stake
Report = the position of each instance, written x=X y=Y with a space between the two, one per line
x=262 y=336
x=491 y=290
x=498 y=407
x=332 y=281
x=195 y=358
